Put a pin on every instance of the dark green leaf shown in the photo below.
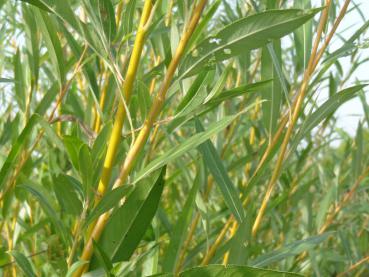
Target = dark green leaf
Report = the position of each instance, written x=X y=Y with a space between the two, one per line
x=217 y=169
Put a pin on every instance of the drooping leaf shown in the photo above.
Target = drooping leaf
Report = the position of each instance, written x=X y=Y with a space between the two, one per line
x=128 y=223
x=230 y=270
x=53 y=44
x=20 y=89
x=178 y=234
x=19 y=144
x=217 y=169
x=23 y=263
x=184 y=147
x=109 y=200
x=245 y=34
x=48 y=209
x=289 y=250
x=85 y=166
x=67 y=195
x=326 y=109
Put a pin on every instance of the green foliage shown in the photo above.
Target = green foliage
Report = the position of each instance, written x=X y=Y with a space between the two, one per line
x=190 y=200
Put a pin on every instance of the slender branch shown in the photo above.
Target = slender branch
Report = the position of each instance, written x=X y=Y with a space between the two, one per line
x=144 y=133
x=354 y=266
x=295 y=114
x=160 y=98
x=27 y=153
x=127 y=90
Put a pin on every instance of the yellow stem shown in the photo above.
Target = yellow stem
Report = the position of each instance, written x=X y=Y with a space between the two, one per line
x=217 y=242
x=160 y=98
x=354 y=266
x=127 y=90
x=97 y=123
x=232 y=232
x=144 y=133
x=296 y=110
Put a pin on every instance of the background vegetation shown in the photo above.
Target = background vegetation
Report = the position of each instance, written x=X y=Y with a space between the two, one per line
x=190 y=138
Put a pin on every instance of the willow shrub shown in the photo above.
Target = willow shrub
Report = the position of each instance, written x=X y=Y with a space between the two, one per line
x=181 y=138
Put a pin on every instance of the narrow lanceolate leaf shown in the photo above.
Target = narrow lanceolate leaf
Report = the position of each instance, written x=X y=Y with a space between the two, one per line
x=17 y=147
x=110 y=199
x=53 y=44
x=85 y=166
x=217 y=169
x=238 y=244
x=37 y=3
x=348 y=46
x=324 y=206
x=326 y=109
x=230 y=270
x=74 y=268
x=66 y=194
x=245 y=34
x=179 y=233
x=289 y=250
x=23 y=263
x=185 y=146
x=6 y=80
x=20 y=89
x=194 y=97
x=33 y=40
x=103 y=258
x=303 y=38
x=128 y=223
x=357 y=160
x=48 y=209
x=272 y=94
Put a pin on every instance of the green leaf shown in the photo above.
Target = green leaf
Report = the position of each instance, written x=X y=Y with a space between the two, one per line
x=128 y=14
x=238 y=249
x=85 y=166
x=234 y=270
x=87 y=68
x=357 y=153
x=74 y=268
x=245 y=34
x=179 y=233
x=272 y=92
x=66 y=194
x=238 y=91
x=48 y=209
x=46 y=101
x=324 y=110
x=33 y=41
x=217 y=169
x=291 y=249
x=107 y=17
x=109 y=200
x=128 y=223
x=17 y=147
x=230 y=270
x=6 y=80
x=20 y=89
x=73 y=145
x=348 y=46
x=324 y=206
x=38 y=4
x=303 y=38
x=23 y=263
x=102 y=258
x=193 y=93
x=184 y=147
x=53 y=44
x=100 y=144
